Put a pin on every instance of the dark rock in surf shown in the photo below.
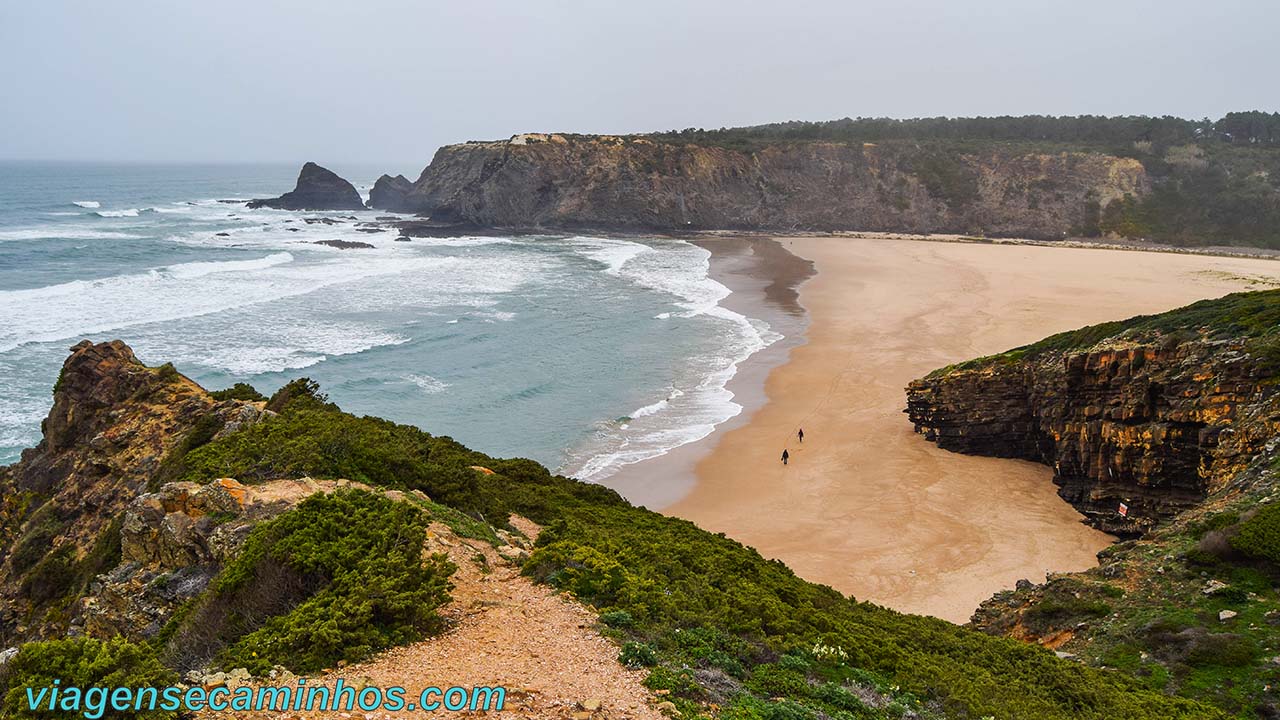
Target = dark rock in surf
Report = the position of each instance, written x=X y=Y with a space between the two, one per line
x=389 y=193
x=317 y=189
x=344 y=244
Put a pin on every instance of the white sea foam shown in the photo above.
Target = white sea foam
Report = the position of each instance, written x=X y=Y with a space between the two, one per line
x=427 y=384
x=130 y=212
x=687 y=414
x=85 y=307
x=87 y=204
x=64 y=232
x=187 y=271
x=270 y=343
x=613 y=254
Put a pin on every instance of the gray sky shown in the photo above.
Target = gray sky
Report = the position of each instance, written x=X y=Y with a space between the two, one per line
x=387 y=82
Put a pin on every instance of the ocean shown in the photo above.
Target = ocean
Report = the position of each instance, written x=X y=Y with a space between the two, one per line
x=584 y=353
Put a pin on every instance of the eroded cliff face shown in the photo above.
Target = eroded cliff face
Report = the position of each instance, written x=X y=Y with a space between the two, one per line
x=558 y=181
x=1156 y=423
x=112 y=423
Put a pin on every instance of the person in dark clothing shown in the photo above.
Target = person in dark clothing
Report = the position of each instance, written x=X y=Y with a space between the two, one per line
x=785 y=456
x=800 y=434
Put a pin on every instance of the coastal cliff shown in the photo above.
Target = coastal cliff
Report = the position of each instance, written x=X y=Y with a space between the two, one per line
x=112 y=423
x=1177 y=416
x=160 y=531
x=640 y=183
x=1153 y=413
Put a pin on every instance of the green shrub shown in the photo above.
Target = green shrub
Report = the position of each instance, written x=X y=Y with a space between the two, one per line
x=239 y=391
x=52 y=578
x=637 y=654
x=679 y=682
x=1217 y=521
x=312 y=437
x=336 y=578
x=771 y=680
x=1058 y=611
x=82 y=663
x=746 y=707
x=1259 y=536
x=1223 y=649
x=841 y=699
x=42 y=528
x=618 y=619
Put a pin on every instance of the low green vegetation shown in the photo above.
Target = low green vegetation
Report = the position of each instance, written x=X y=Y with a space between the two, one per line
x=1259 y=536
x=1254 y=316
x=337 y=578
x=1212 y=182
x=1192 y=610
x=721 y=628
x=59 y=577
x=81 y=663
x=239 y=391
x=310 y=437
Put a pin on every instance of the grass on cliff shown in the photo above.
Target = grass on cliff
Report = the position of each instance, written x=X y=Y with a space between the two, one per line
x=719 y=625
x=1254 y=316
x=1193 y=609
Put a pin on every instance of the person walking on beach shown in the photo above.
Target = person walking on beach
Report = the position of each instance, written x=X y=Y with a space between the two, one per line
x=800 y=435
x=785 y=456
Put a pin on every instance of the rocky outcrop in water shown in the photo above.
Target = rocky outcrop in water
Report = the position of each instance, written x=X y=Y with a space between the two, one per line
x=562 y=181
x=317 y=189
x=390 y=193
x=1153 y=423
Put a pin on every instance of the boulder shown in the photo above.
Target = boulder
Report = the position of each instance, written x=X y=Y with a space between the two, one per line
x=389 y=193
x=343 y=244
x=317 y=189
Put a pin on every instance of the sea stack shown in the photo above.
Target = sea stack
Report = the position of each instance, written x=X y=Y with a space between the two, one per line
x=317 y=189
x=389 y=193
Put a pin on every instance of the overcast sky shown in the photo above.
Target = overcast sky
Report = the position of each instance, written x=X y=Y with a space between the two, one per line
x=387 y=82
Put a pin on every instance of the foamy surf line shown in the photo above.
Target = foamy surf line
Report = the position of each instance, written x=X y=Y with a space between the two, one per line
x=689 y=414
x=181 y=291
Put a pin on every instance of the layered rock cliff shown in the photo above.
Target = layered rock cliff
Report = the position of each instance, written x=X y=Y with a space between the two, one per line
x=1154 y=416
x=562 y=181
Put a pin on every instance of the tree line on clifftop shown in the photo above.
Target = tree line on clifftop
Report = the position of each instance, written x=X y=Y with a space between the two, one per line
x=1214 y=182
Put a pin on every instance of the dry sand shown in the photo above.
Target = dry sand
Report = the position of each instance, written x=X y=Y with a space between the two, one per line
x=866 y=505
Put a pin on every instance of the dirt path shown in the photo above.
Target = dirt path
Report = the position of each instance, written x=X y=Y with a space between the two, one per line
x=506 y=631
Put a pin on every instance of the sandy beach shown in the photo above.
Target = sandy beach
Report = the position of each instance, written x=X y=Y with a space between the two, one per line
x=868 y=506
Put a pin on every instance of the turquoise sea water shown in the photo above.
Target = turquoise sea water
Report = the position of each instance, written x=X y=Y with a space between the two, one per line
x=584 y=353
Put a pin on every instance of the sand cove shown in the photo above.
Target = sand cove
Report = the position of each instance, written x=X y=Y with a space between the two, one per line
x=866 y=505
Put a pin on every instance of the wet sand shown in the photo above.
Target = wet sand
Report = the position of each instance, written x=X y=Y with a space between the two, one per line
x=868 y=506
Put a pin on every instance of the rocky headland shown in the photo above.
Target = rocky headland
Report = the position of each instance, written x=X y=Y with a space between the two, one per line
x=1139 y=419
x=640 y=183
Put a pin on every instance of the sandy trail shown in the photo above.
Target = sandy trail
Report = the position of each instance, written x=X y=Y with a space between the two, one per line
x=871 y=508
x=506 y=632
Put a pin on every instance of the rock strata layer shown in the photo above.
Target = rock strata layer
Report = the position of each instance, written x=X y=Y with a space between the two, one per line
x=637 y=183
x=1152 y=425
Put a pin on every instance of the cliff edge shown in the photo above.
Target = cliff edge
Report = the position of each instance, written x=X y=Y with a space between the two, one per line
x=639 y=183
x=1139 y=419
